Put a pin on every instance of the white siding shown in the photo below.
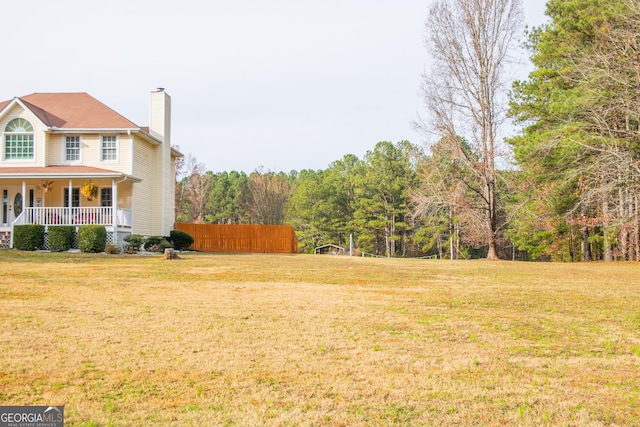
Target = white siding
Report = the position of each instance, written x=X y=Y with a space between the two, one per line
x=124 y=195
x=143 y=192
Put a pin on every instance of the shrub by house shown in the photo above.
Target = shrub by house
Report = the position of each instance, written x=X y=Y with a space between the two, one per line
x=60 y=237
x=28 y=237
x=92 y=238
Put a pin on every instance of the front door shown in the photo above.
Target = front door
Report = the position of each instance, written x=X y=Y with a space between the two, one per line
x=12 y=204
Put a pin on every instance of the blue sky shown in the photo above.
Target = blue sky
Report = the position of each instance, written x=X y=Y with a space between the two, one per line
x=283 y=85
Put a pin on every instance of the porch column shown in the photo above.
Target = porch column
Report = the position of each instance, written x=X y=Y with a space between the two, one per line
x=114 y=207
x=69 y=203
x=24 y=194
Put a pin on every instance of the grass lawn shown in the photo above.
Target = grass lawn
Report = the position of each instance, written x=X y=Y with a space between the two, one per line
x=319 y=340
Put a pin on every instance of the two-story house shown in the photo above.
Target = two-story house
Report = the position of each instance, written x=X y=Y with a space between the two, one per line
x=53 y=144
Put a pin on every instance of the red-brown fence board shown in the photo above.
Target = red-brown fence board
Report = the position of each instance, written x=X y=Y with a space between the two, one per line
x=241 y=238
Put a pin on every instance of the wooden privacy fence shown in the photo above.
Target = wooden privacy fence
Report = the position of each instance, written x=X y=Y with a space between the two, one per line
x=241 y=238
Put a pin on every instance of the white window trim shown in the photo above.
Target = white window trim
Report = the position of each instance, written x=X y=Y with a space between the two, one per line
x=3 y=154
x=64 y=151
x=111 y=196
x=65 y=199
x=101 y=154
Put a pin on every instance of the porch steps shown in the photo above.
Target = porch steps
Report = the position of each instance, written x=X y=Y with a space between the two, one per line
x=5 y=239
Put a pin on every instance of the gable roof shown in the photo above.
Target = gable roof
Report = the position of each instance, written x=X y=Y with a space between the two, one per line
x=72 y=111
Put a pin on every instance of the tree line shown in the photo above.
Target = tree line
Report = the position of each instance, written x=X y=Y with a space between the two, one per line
x=580 y=150
x=570 y=192
x=366 y=198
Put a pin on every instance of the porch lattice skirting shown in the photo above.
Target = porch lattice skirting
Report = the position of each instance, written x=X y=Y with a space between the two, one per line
x=110 y=240
x=117 y=239
x=5 y=239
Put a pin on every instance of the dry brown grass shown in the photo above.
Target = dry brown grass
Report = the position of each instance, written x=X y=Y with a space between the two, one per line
x=319 y=340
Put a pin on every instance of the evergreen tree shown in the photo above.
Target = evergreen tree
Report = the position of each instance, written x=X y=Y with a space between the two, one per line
x=581 y=108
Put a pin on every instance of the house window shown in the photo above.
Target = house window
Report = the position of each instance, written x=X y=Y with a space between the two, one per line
x=72 y=148
x=109 y=147
x=19 y=137
x=105 y=197
x=75 y=197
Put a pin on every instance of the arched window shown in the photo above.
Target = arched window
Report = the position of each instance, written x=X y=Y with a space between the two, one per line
x=18 y=142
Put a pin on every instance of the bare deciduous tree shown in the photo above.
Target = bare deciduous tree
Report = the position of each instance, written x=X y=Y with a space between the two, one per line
x=268 y=195
x=465 y=92
x=192 y=189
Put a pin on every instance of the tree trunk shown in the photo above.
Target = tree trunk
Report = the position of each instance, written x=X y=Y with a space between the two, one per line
x=586 y=246
x=608 y=254
x=624 y=234
x=492 y=222
x=492 y=253
x=392 y=233
x=451 y=232
x=451 y=255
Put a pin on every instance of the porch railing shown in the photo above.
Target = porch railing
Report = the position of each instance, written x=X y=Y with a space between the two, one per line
x=74 y=216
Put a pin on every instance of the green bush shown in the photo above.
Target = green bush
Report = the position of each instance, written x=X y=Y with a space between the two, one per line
x=156 y=244
x=165 y=244
x=135 y=242
x=180 y=240
x=60 y=237
x=92 y=238
x=28 y=237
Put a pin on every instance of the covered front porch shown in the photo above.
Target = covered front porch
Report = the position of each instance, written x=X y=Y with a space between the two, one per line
x=53 y=196
x=107 y=216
